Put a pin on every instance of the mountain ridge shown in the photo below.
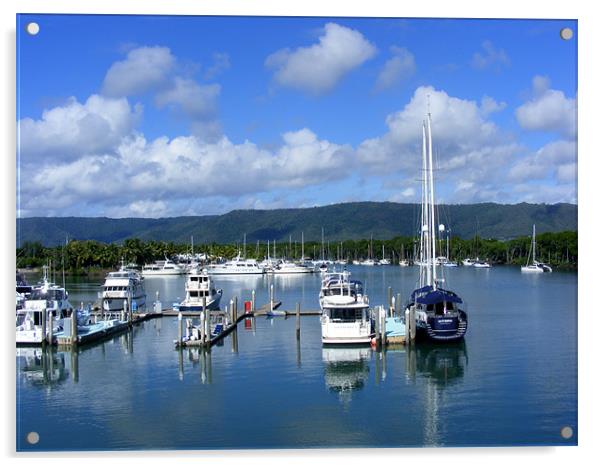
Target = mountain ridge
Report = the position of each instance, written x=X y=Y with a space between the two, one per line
x=353 y=220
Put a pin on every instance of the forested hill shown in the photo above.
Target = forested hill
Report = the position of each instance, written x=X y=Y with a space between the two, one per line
x=382 y=220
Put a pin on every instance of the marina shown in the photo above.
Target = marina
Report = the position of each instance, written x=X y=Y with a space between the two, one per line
x=425 y=388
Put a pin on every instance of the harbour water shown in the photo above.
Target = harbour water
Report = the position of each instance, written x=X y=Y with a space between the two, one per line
x=513 y=381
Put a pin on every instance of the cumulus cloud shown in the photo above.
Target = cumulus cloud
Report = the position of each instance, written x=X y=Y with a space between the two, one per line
x=148 y=176
x=144 y=69
x=546 y=161
x=490 y=57
x=463 y=137
x=195 y=100
x=74 y=129
x=396 y=69
x=490 y=105
x=156 y=71
x=549 y=110
x=317 y=68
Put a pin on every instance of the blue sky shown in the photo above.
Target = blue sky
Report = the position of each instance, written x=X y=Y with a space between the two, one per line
x=163 y=116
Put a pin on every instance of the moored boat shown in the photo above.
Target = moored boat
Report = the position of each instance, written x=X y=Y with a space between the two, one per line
x=199 y=288
x=437 y=312
x=534 y=266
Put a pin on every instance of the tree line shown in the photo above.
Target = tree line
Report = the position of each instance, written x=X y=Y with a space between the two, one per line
x=78 y=257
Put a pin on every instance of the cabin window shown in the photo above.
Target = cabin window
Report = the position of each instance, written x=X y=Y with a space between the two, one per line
x=37 y=318
x=449 y=306
x=430 y=307
x=345 y=315
x=194 y=294
x=439 y=307
x=194 y=279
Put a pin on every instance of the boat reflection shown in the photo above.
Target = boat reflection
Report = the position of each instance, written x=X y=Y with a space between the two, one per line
x=346 y=369
x=43 y=366
x=441 y=366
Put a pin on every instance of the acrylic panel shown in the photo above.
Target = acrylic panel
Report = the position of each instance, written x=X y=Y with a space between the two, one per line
x=289 y=232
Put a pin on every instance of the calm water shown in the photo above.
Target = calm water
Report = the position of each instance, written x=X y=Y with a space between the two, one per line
x=512 y=382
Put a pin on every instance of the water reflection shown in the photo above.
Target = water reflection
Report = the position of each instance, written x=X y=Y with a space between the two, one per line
x=441 y=366
x=45 y=366
x=198 y=357
x=345 y=370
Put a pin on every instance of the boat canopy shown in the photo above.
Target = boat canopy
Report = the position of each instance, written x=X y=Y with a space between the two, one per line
x=426 y=295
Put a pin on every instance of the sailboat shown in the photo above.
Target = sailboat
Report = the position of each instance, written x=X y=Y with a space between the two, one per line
x=534 y=267
x=438 y=312
x=384 y=261
x=370 y=261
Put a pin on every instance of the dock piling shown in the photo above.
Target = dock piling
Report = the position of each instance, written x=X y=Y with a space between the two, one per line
x=407 y=326
x=180 y=331
x=253 y=301
x=298 y=312
x=398 y=305
x=74 y=327
x=389 y=298
x=202 y=325
x=207 y=328
x=271 y=297
x=44 y=319
x=50 y=328
x=235 y=310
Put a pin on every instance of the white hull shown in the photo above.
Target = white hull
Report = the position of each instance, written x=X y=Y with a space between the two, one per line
x=529 y=269
x=116 y=304
x=346 y=340
x=161 y=273
x=216 y=271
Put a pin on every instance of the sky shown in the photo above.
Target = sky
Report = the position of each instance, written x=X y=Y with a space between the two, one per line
x=156 y=116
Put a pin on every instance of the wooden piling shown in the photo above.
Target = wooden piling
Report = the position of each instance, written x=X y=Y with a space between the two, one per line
x=253 y=301
x=44 y=319
x=272 y=297
x=74 y=327
x=180 y=331
x=398 y=305
x=407 y=326
x=50 y=325
x=202 y=325
x=235 y=310
x=389 y=298
x=412 y=325
x=298 y=311
x=207 y=328
x=130 y=315
x=383 y=327
x=377 y=326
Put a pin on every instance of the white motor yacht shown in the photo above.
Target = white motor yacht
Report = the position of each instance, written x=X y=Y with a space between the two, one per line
x=161 y=268
x=236 y=266
x=346 y=315
x=123 y=285
x=198 y=287
x=46 y=303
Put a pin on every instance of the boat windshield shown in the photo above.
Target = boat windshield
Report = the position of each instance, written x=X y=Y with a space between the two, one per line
x=344 y=314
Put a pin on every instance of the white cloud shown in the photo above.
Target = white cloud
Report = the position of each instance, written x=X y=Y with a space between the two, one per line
x=73 y=130
x=489 y=105
x=567 y=173
x=490 y=57
x=544 y=161
x=144 y=69
x=401 y=66
x=317 y=68
x=549 y=110
x=149 y=176
x=462 y=136
x=195 y=100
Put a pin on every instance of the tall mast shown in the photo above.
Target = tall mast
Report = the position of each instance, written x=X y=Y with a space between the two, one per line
x=534 y=243
x=322 y=244
x=244 y=253
x=432 y=205
x=302 y=248
x=424 y=244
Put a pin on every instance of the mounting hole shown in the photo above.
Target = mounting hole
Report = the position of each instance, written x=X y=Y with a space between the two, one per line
x=32 y=28
x=33 y=438
x=566 y=432
x=566 y=33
